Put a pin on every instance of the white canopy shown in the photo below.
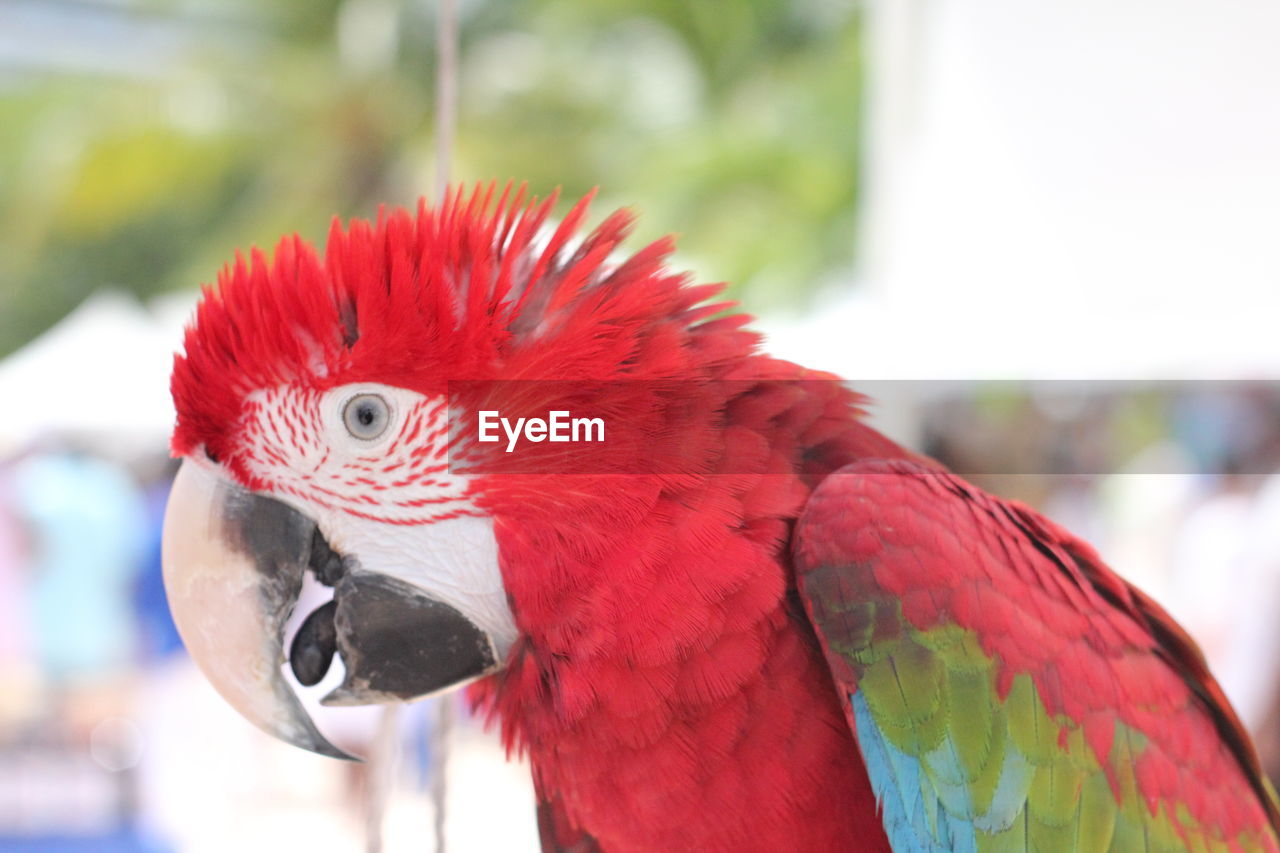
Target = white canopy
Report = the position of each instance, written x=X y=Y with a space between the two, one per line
x=102 y=370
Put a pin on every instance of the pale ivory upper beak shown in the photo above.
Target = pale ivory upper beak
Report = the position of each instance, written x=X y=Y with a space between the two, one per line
x=233 y=568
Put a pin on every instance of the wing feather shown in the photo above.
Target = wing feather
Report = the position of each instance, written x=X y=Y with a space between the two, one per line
x=1008 y=691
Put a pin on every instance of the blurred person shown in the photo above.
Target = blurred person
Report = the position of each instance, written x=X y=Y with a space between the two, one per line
x=1260 y=634
x=69 y=779
x=17 y=676
x=1217 y=588
x=1226 y=557
x=88 y=528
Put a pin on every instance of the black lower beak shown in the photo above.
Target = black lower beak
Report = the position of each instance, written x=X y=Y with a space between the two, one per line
x=397 y=643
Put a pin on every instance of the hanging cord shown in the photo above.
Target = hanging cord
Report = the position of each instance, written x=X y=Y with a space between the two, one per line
x=440 y=744
x=446 y=129
x=446 y=91
x=382 y=764
x=381 y=774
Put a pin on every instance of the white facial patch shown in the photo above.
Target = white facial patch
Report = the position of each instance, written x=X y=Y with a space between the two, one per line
x=454 y=561
x=390 y=503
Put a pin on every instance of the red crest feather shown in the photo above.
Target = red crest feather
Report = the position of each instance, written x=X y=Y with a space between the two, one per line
x=468 y=290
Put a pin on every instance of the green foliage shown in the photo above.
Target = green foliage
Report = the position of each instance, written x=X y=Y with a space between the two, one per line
x=734 y=125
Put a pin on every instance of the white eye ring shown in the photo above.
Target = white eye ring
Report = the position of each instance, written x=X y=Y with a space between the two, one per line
x=366 y=416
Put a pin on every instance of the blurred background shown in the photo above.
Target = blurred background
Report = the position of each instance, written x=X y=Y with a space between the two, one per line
x=930 y=197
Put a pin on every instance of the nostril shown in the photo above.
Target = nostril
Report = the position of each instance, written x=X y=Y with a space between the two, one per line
x=211 y=456
x=327 y=564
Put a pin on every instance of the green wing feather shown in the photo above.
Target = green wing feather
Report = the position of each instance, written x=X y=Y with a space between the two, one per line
x=990 y=716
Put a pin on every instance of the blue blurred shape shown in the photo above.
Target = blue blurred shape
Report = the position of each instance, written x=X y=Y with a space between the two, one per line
x=157 y=633
x=123 y=841
x=90 y=526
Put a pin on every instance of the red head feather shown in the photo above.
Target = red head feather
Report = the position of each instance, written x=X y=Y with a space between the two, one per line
x=466 y=291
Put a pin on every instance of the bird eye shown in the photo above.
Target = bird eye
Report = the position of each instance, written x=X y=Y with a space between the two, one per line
x=366 y=416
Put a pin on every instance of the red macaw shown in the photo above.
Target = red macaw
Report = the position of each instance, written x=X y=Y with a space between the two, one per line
x=747 y=621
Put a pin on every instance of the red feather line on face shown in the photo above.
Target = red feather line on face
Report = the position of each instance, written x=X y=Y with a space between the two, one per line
x=463 y=291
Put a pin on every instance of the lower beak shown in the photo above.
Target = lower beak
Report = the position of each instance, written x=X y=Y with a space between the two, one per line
x=234 y=563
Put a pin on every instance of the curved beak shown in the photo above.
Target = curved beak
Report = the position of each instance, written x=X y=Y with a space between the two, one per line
x=233 y=566
x=234 y=562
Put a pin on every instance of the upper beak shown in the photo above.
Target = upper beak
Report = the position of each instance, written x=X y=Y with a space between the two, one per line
x=234 y=562
x=233 y=565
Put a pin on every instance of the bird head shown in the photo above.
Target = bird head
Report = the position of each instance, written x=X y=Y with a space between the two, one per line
x=322 y=436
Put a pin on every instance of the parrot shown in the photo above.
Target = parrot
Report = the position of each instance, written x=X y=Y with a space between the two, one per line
x=744 y=621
